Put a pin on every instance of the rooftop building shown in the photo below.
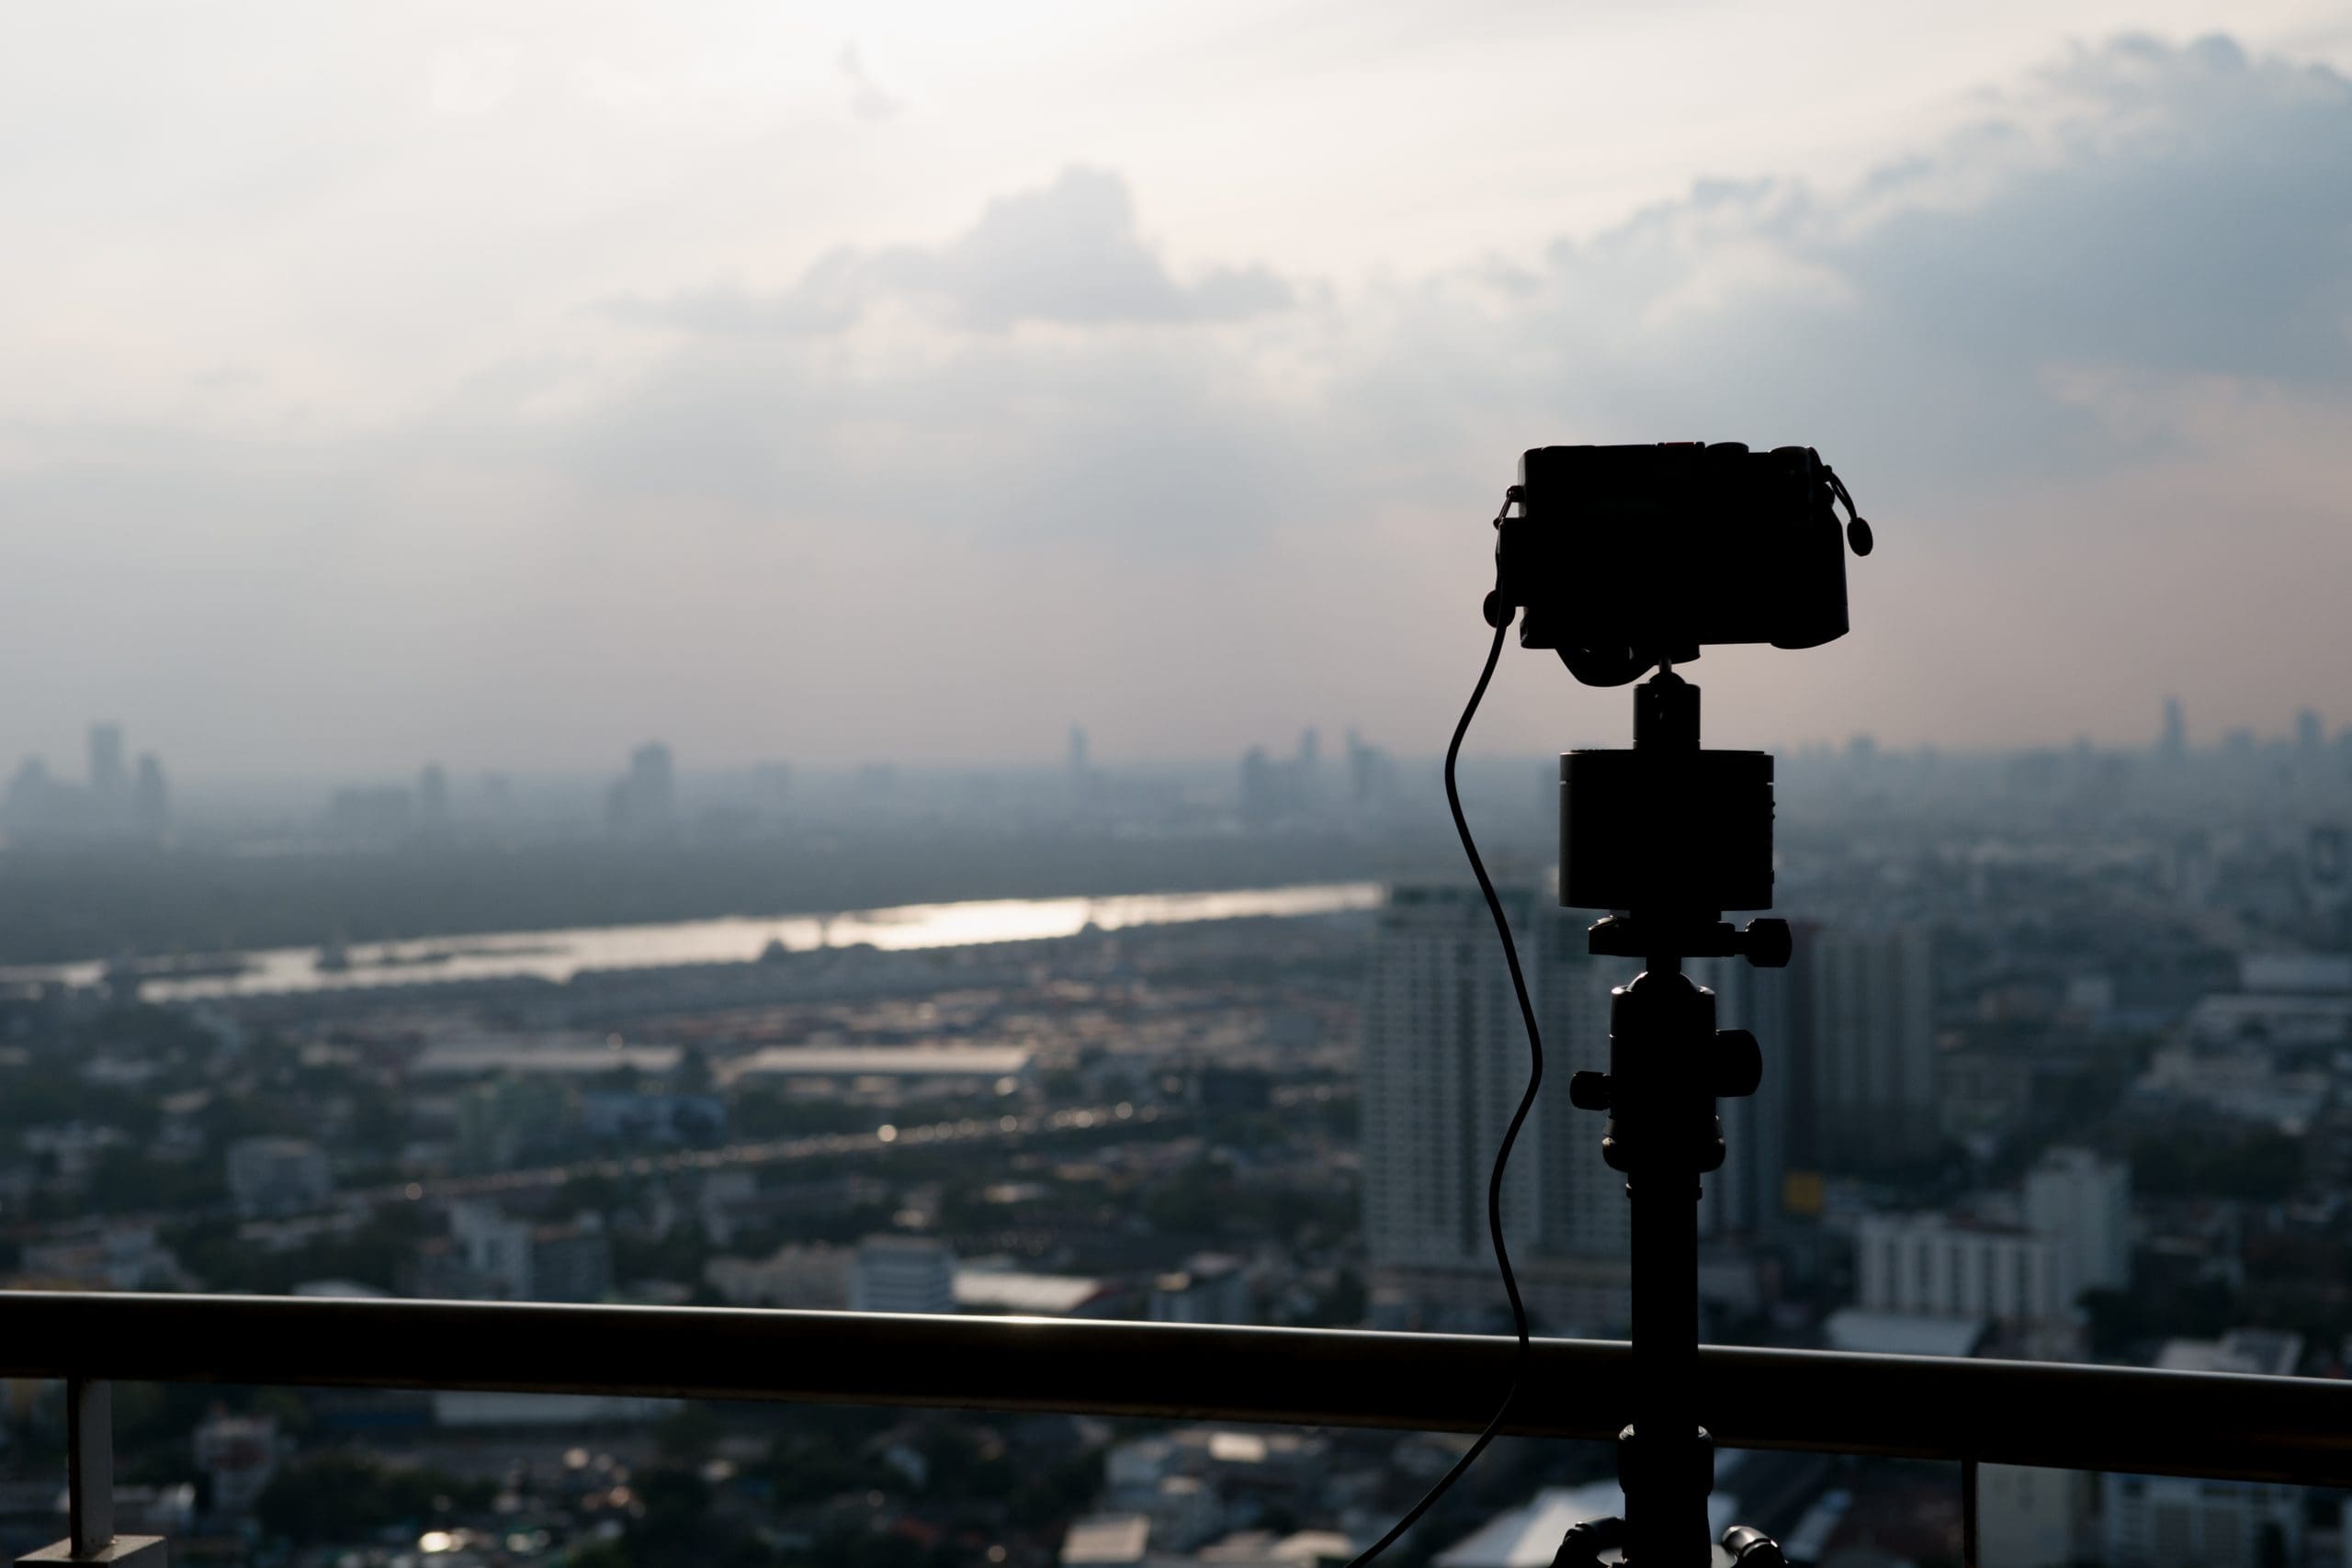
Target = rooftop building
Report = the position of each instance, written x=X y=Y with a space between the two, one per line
x=972 y=1063
x=902 y=1273
x=1034 y=1295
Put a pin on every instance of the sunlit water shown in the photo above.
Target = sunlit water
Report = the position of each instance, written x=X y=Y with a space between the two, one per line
x=559 y=954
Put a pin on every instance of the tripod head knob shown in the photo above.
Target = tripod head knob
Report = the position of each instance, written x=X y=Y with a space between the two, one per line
x=1734 y=1064
x=1751 y=1548
x=1767 y=944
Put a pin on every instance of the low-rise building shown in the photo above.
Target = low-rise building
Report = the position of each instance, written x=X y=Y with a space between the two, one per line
x=904 y=1273
x=1106 y=1541
x=2262 y=1352
x=2153 y=1521
x=238 y=1454
x=1212 y=1288
x=278 y=1176
x=492 y=1256
x=1932 y=1265
x=809 y=1278
x=1015 y=1292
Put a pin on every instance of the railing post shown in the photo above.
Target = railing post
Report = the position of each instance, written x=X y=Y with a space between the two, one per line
x=89 y=1487
x=89 y=1465
x=1967 y=1512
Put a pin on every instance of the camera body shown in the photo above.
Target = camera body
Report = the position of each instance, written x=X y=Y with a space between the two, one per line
x=1622 y=556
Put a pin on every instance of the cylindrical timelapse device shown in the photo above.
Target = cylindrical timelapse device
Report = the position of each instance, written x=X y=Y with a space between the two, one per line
x=1680 y=833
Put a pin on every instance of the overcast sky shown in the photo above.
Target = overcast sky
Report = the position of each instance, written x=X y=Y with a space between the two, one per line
x=505 y=384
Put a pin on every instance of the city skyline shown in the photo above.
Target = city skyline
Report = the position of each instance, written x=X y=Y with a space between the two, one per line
x=1073 y=751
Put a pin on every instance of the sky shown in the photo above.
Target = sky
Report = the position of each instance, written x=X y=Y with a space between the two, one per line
x=503 y=385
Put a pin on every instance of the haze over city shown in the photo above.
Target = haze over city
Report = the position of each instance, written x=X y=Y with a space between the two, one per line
x=902 y=385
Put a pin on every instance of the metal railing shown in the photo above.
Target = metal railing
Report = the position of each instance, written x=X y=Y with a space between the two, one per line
x=2071 y=1418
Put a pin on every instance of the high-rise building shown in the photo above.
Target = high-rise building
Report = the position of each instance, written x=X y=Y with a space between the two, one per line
x=1372 y=773
x=109 y=779
x=151 y=796
x=1444 y=1061
x=651 y=784
x=1261 y=788
x=1744 y=1198
x=32 y=799
x=431 y=797
x=644 y=799
x=2174 y=745
x=1078 y=762
x=1868 y=1027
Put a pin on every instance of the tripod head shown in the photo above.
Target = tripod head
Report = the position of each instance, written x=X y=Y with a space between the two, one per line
x=1628 y=558
x=1669 y=836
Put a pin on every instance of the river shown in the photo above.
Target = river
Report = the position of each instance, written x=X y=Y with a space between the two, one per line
x=559 y=954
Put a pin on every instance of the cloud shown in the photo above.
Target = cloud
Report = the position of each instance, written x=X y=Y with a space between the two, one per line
x=866 y=98
x=2135 y=212
x=2030 y=345
x=2085 y=360
x=1068 y=253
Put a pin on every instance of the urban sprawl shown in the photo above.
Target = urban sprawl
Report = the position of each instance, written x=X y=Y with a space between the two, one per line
x=2055 y=1075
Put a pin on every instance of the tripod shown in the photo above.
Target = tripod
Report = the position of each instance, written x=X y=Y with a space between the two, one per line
x=1672 y=836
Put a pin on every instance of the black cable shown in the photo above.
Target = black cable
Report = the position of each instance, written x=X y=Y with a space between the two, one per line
x=1510 y=1133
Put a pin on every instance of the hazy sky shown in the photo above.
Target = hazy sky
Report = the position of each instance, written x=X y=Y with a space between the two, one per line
x=504 y=384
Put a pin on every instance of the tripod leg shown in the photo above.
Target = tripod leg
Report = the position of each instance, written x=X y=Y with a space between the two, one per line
x=1662 y=1128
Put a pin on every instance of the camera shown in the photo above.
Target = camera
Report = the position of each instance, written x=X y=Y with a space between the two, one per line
x=1626 y=556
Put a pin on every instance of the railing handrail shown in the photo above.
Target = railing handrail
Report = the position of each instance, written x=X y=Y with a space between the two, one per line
x=2063 y=1416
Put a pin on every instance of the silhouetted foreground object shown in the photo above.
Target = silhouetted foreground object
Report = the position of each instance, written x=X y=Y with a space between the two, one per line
x=1625 y=559
x=1629 y=556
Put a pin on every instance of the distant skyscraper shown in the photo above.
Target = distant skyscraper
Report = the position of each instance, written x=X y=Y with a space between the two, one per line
x=644 y=799
x=1744 y=1198
x=151 y=796
x=432 y=796
x=109 y=779
x=2309 y=738
x=1869 y=1027
x=1261 y=794
x=1371 y=776
x=2327 y=860
x=2175 y=742
x=1443 y=1061
x=652 y=780
x=31 y=797
x=1077 y=763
